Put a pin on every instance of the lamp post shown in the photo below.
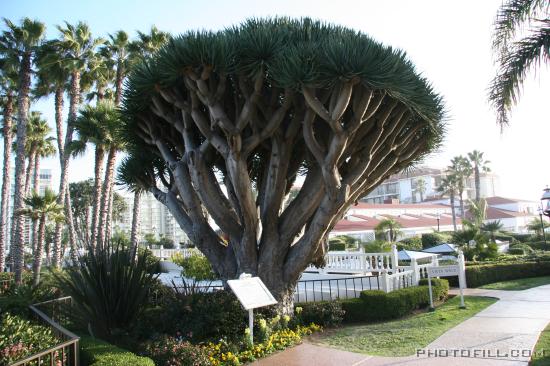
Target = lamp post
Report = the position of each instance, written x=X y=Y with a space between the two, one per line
x=544 y=210
x=438 y=218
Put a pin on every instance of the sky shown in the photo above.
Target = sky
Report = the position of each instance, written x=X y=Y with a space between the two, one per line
x=448 y=41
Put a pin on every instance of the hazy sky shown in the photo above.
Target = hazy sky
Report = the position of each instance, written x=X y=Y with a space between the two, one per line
x=449 y=41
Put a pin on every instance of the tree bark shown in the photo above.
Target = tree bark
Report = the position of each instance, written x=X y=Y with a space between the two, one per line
x=109 y=219
x=98 y=173
x=106 y=194
x=64 y=160
x=453 y=210
x=29 y=171
x=39 y=250
x=18 y=246
x=6 y=176
x=36 y=187
x=135 y=223
x=477 y=182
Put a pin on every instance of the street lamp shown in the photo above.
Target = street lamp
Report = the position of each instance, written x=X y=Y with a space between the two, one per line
x=544 y=209
x=438 y=216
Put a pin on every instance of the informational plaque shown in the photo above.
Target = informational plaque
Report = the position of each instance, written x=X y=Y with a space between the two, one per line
x=251 y=292
x=444 y=271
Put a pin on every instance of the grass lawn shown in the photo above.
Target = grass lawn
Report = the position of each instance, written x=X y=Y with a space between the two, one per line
x=541 y=355
x=516 y=285
x=402 y=337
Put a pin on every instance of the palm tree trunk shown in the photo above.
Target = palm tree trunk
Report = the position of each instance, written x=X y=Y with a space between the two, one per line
x=135 y=223
x=59 y=122
x=477 y=183
x=109 y=220
x=98 y=173
x=461 y=200
x=72 y=231
x=17 y=247
x=118 y=82
x=64 y=160
x=37 y=265
x=107 y=185
x=453 y=210
x=6 y=181
x=36 y=188
x=29 y=171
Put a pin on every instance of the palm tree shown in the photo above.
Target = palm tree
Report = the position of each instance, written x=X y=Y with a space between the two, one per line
x=478 y=164
x=100 y=73
x=112 y=139
x=390 y=227
x=91 y=128
x=148 y=43
x=492 y=227
x=516 y=57
x=117 y=48
x=37 y=132
x=536 y=225
x=420 y=187
x=478 y=212
x=132 y=175
x=461 y=170
x=448 y=186
x=77 y=45
x=21 y=42
x=8 y=88
x=41 y=209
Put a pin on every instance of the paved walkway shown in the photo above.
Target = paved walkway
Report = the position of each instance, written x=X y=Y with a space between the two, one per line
x=502 y=334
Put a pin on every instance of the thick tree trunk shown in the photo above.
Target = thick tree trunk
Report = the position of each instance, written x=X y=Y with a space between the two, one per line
x=135 y=223
x=18 y=246
x=96 y=205
x=6 y=176
x=64 y=160
x=39 y=251
x=106 y=194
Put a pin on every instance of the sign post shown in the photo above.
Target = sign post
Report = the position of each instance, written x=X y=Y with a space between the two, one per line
x=448 y=271
x=251 y=293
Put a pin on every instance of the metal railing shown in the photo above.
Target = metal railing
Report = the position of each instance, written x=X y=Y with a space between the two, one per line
x=66 y=352
x=334 y=288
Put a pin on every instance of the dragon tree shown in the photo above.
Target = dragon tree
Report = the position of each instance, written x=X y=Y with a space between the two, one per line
x=221 y=125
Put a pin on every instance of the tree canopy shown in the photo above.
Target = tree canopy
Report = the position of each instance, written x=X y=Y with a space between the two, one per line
x=224 y=122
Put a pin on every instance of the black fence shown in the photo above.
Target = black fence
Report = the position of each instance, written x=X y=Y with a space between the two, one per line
x=334 y=288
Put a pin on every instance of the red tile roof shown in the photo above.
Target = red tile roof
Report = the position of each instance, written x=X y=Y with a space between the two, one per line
x=497 y=200
x=390 y=206
x=369 y=223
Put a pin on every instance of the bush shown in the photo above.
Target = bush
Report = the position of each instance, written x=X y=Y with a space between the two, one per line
x=109 y=289
x=538 y=245
x=169 y=351
x=440 y=287
x=482 y=274
x=324 y=313
x=523 y=238
x=20 y=338
x=196 y=266
x=520 y=249
x=336 y=246
x=95 y=352
x=432 y=239
x=374 y=305
x=414 y=243
x=377 y=246
x=16 y=299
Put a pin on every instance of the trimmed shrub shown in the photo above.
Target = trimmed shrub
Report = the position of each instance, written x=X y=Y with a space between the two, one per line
x=336 y=246
x=414 y=243
x=520 y=249
x=538 y=245
x=440 y=287
x=432 y=239
x=95 y=352
x=374 y=305
x=523 y=238
x=479 y=275
x=324 y=313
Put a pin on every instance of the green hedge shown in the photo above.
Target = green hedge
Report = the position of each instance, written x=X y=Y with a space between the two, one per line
x=336 y=247
x=479 y=275
x=324 y=313
x=95 y=352
x=376 y=305
x=539 y=245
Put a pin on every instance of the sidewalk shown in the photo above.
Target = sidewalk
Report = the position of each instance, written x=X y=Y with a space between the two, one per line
x=502 y=334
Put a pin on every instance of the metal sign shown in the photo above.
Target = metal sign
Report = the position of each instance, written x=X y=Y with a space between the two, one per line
x=458 y=269
x=444 y=271
x=252 y=293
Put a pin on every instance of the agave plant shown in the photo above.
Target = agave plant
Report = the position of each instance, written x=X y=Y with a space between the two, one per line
x=108 y=288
